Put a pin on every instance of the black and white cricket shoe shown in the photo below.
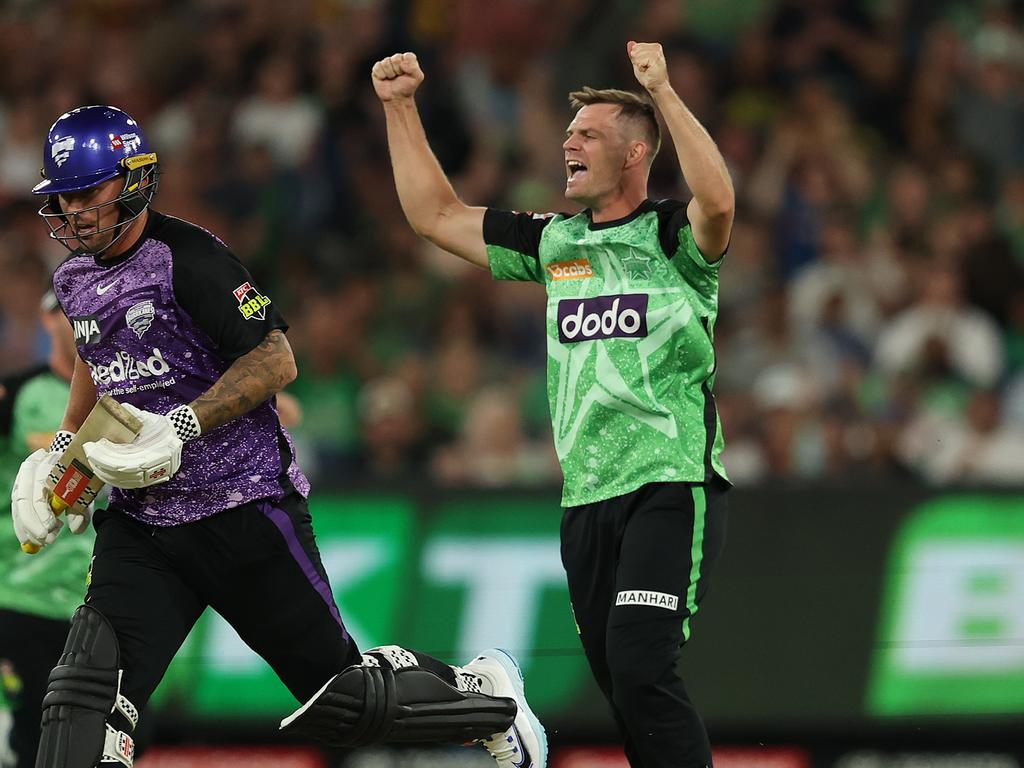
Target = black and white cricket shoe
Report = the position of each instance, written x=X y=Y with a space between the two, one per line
x=525 y=744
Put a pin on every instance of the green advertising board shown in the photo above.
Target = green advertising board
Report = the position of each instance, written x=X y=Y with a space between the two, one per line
x=832 y=608
x=496 y=579
x=952 y=635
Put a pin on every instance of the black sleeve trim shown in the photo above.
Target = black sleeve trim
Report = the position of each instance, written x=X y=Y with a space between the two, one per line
x=671 y=221
x=217 y=291
x=520 y=232
x=710 y=411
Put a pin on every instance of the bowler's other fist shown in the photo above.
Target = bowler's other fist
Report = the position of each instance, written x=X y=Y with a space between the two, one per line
x=397 y=76
x=648 y=64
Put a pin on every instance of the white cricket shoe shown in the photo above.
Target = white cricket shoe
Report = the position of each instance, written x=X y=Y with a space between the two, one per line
x=524 y=745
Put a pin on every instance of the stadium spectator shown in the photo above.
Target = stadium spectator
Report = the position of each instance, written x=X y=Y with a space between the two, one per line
x=902 y=121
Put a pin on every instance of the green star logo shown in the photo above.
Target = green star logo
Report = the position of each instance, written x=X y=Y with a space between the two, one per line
x=638 y=266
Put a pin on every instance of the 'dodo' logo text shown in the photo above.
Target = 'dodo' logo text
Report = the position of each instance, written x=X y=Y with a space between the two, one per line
x=602 y=317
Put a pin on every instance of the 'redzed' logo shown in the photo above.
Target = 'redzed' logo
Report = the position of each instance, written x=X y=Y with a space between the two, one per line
x=602 y=317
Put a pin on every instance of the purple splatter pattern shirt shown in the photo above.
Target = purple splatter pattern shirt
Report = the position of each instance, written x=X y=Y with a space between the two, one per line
x=157 y=327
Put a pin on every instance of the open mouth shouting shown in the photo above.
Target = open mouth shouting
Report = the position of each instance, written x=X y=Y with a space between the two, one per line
x=575 y=170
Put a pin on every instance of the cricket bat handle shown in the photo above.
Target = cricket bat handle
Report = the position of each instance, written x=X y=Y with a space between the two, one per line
x=59 y=507
x=73 y=482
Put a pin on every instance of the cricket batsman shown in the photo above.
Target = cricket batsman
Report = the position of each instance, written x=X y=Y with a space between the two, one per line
x=208 y=506
x=632 y=287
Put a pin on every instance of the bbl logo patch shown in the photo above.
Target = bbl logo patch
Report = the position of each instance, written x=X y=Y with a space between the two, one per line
x=86 y=328
x=251 y=303
x=140 y=317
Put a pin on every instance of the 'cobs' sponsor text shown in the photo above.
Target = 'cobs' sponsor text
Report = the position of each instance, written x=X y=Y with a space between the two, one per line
x=602 y=317
x=577 y=269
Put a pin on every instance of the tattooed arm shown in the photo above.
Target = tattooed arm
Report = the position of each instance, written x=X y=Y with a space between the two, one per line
x=155 y=455
x=251 y=379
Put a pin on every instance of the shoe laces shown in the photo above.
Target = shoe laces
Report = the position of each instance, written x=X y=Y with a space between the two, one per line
x=501 y=746
x=469 y=682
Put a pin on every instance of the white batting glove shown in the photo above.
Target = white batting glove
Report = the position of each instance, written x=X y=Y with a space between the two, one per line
x=153 y=457
x=35 y=524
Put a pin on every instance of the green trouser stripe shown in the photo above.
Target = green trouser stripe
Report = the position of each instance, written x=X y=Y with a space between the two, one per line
x=700 y=507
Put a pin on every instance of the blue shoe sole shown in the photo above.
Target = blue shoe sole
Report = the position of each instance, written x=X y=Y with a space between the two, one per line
x=511 y=666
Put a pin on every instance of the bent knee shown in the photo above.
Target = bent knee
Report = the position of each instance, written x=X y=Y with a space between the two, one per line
x=637 y=661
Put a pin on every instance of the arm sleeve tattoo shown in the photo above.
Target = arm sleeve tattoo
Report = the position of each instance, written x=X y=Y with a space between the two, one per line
x=252 y=378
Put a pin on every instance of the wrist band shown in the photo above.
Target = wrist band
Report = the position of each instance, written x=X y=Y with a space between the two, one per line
x=61 y=440
x=185 y=422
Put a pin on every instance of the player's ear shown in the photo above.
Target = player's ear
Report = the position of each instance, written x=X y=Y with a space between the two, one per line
x=636 y=153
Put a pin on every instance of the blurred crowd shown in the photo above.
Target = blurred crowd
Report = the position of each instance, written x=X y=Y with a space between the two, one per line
x=872 y=301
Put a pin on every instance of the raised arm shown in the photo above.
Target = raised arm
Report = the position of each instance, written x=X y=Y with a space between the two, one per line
x=428 y=200
x=711 y=210
x=253 y=378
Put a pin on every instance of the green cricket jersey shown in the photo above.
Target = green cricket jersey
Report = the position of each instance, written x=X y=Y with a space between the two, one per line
x=51 y=583
x=630 y=315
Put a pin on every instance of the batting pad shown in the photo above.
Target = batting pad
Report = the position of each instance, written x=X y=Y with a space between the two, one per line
x=374 y=705
x=82 y=694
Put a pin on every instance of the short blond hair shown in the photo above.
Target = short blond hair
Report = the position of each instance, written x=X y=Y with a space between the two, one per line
x=632 y=106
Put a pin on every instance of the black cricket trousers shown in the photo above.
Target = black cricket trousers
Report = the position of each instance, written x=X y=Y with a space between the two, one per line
x=638 y=566
x=257 y=565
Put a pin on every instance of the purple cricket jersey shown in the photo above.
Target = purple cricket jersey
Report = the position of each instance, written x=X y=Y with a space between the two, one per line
x=157 y=327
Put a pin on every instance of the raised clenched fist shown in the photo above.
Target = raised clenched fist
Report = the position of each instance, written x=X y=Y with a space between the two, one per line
x=648 y=64
x=397 y=76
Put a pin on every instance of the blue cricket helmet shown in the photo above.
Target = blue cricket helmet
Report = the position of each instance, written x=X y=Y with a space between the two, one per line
x=88 y=146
